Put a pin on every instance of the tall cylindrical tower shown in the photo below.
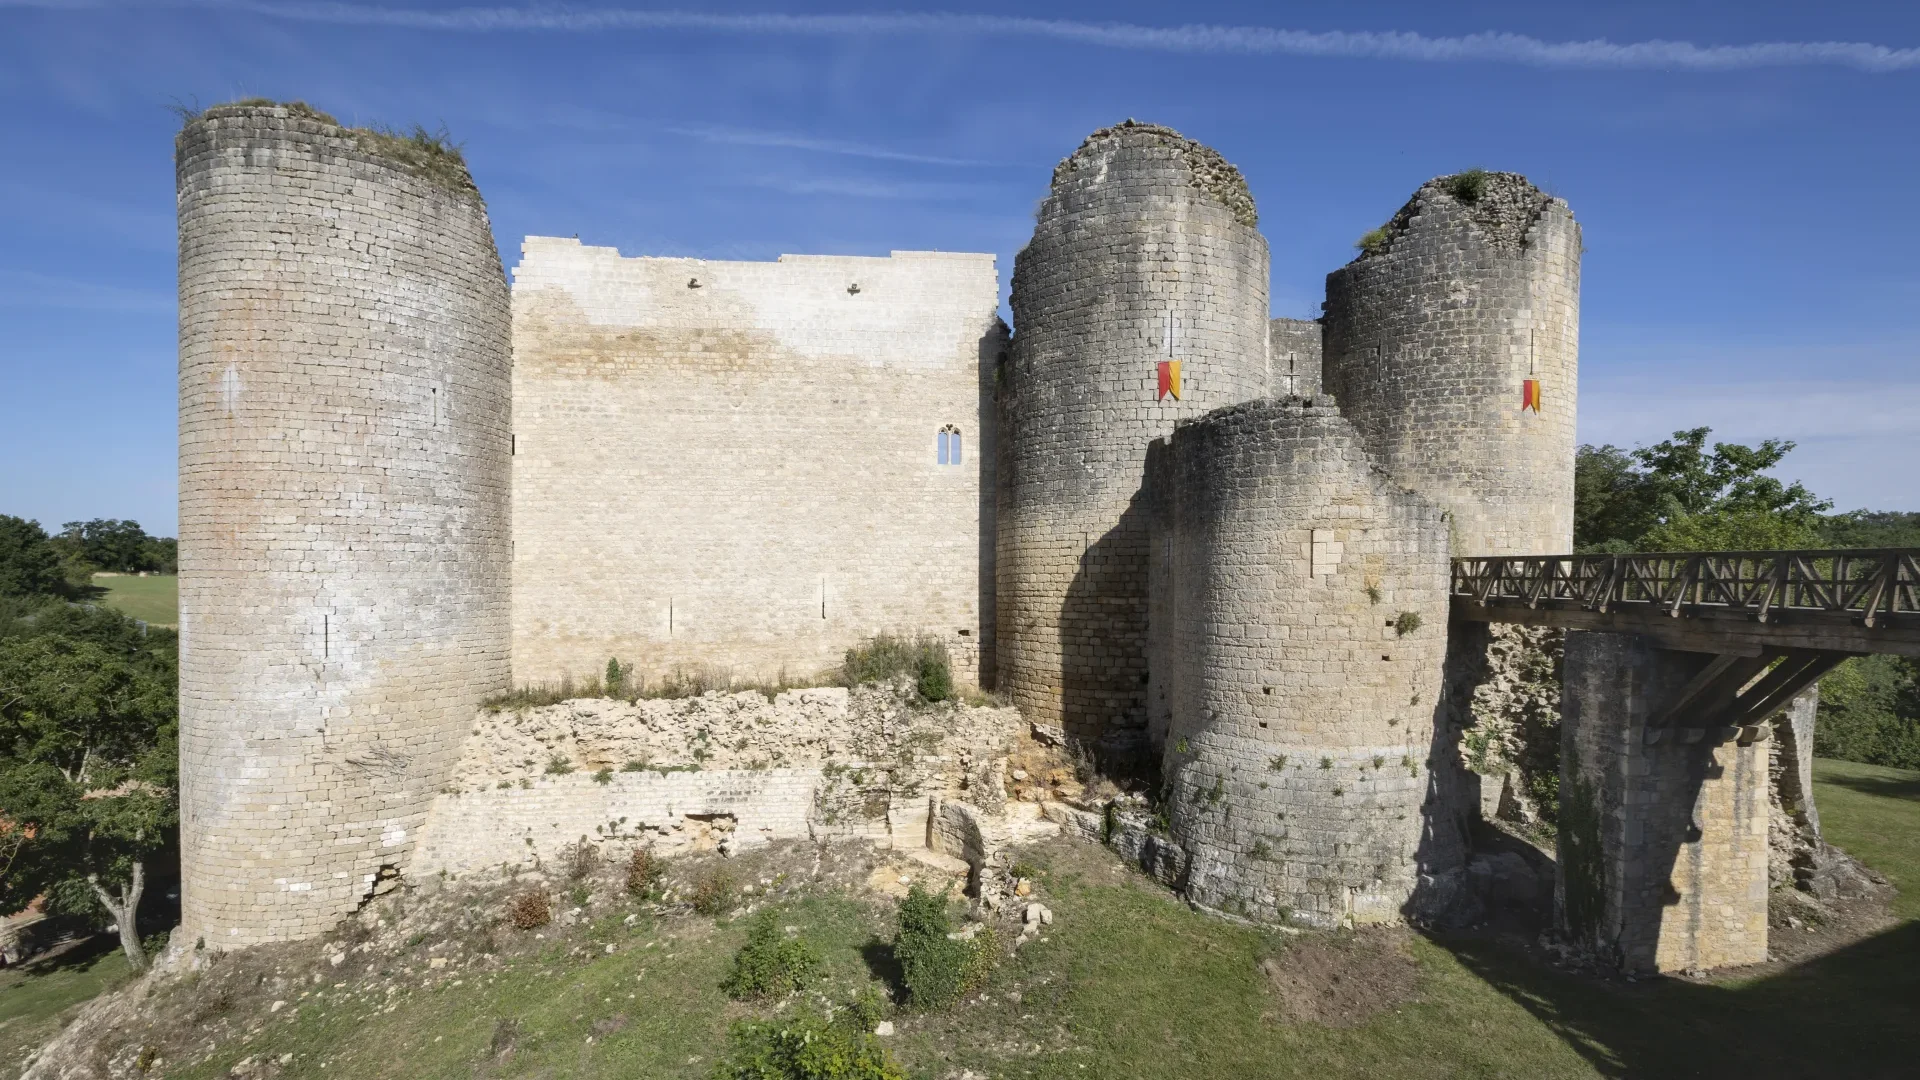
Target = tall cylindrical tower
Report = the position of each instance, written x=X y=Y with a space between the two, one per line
x=344 y=543
x=1141 y=299
x=1308 y=601
x=1452 y=344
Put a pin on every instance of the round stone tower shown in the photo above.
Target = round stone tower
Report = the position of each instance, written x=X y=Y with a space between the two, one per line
x=1308 y=632
x=1453 y=343
x=344 y=543
x=1141 y=299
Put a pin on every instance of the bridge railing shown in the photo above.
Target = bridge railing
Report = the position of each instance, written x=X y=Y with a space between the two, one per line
x=1871 y=586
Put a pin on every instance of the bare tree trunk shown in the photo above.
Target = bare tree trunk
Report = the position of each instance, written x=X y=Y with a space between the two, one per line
x=126 y=912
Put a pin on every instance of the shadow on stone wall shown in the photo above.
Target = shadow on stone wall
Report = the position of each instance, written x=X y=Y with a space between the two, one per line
x=1850 y=1013
x=1103 y=631
x=1441 y=891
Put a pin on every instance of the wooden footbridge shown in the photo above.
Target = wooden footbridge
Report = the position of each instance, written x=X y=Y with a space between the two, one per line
x=1777 y=620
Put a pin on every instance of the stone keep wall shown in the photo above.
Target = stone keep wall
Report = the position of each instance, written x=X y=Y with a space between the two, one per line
x=344 y=547
x=1294 y=348
x=1429 y=338
x=737 y=464
x=1143 y=235
x=1663 y=845
x=1309 y=615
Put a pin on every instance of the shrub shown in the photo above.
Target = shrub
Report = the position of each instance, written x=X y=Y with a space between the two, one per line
x=645 y=870
x=604 y=776
x=886 y=657
x=1468 y=186
x=1371 y=241
x=770 y=964
x=806 y=1047
x=528 y=910
x=713 y=893
x=579 y=859
x=616 y=680
x=558 y=765
x=935 y=968
x=1406 y=623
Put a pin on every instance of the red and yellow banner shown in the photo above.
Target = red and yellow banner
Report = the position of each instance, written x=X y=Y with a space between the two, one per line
x=1530 y=395
x=1169 y=380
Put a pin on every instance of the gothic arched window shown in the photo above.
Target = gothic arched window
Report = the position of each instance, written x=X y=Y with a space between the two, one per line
x=949 y=445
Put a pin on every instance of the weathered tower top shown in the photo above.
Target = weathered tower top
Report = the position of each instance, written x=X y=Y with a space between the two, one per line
x=1208 y=172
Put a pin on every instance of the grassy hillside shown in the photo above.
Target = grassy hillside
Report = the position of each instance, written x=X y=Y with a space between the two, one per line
x=1127 y=983
x=36 y=1000
x=154 y=599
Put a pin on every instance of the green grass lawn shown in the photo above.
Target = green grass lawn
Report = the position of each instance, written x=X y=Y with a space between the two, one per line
x=35 y=1000
x=1873 y=813
x=1128 y=983
x=154 y=599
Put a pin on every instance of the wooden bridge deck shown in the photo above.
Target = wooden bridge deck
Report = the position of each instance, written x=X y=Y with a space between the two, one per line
x=1749 y=603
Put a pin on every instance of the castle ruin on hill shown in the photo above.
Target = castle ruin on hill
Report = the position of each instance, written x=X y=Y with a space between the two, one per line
x=1183 y=538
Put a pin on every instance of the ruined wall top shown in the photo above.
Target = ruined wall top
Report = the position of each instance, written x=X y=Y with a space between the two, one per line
x=1503 y=205
x=1208 y=171
x=429 y=156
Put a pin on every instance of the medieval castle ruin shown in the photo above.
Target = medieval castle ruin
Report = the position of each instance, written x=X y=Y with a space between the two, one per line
x=1185 y=538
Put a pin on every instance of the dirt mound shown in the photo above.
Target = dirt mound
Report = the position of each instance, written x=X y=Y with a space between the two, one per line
x=1343 y=978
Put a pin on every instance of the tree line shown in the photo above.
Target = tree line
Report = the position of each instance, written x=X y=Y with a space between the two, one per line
x=89 y=718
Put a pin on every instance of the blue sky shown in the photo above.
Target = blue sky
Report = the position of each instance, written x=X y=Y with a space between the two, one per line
x=1747 y=211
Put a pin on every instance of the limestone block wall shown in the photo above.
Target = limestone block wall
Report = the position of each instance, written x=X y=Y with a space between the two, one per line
x=1145 y=252
x=740 y=464
x=1430 y=337
x=722 y=768
x=474 y=830
x=1294 y=351
x=344 y=542
x=1662 y=847
x=1308 y=610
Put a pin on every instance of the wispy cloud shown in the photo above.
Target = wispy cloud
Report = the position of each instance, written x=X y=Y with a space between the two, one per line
x=781 y=140
x=1491 y=47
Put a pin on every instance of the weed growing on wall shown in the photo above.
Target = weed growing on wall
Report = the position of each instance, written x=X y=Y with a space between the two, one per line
x=1371 y=242
x=923 y=662
x=771 y=964
x=1468 y=186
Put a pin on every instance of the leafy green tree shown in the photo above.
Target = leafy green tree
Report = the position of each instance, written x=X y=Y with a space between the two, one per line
x=111 y=544
x=1677 y=496
x=88 y=763
x=1868 y=710
x=29 y=564
x=1871 y=529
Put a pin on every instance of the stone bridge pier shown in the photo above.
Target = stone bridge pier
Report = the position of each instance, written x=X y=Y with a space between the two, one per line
x=1663 y=818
